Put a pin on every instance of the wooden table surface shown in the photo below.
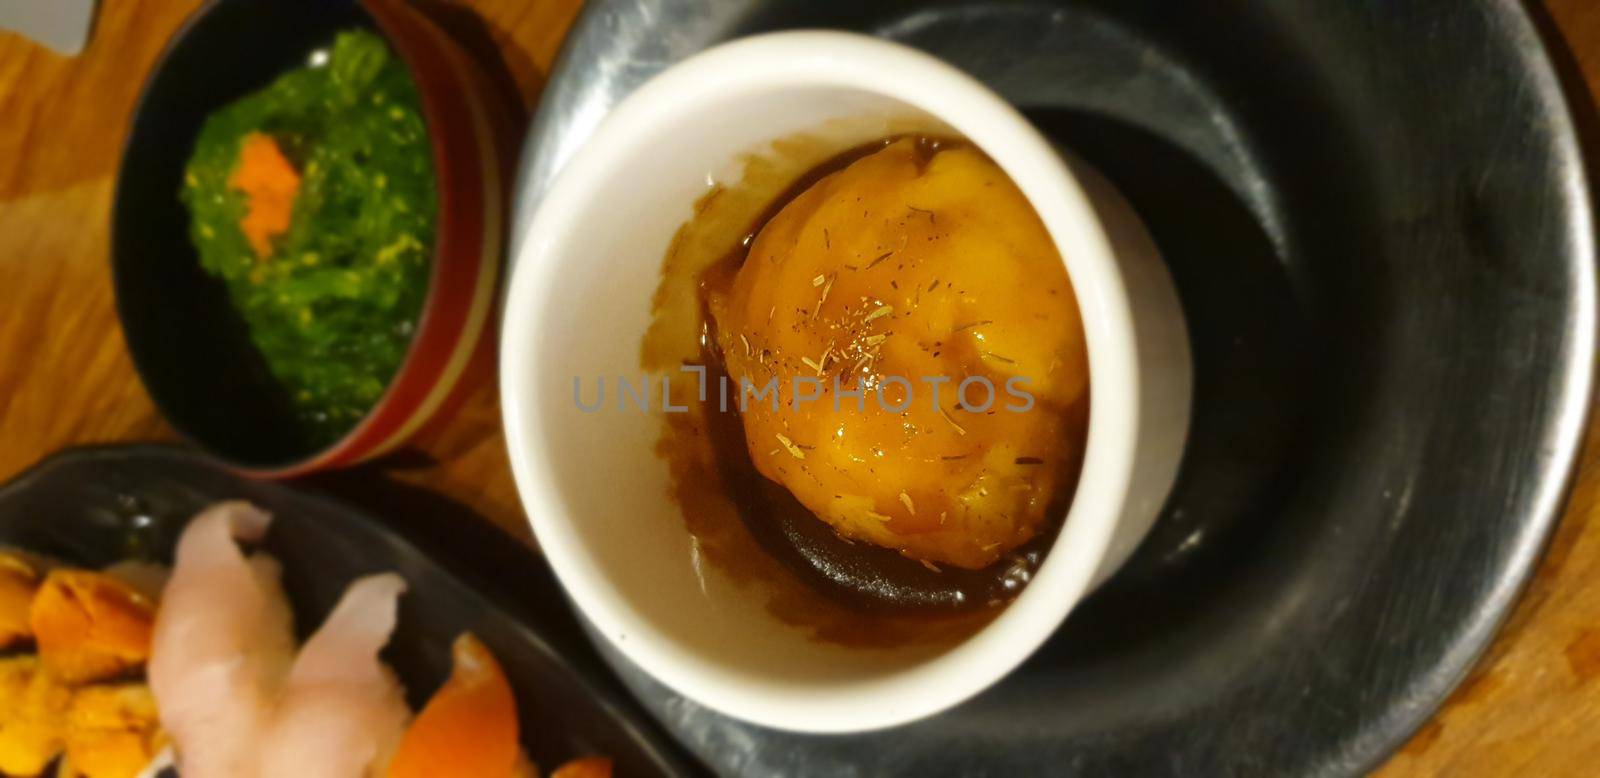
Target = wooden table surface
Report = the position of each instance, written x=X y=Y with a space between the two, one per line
x=1531 y=709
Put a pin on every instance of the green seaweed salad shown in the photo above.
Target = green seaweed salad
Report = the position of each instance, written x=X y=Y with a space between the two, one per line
x=314 y=201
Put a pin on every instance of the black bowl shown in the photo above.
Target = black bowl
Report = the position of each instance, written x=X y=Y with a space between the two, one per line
x=191 y=348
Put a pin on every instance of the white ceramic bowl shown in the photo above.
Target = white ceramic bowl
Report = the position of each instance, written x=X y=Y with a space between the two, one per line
x=597 y=494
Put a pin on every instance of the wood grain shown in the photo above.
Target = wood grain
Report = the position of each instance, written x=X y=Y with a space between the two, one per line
x=1531 y=708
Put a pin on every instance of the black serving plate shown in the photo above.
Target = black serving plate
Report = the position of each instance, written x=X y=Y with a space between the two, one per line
x=97 y=506
x=1381 y=225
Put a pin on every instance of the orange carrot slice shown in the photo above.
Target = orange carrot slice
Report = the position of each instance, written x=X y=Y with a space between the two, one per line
x=469 y=728
x=270 y=183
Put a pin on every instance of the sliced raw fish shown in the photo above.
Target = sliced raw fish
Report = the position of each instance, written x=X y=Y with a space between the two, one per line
x=342 y=712
x=222 y=646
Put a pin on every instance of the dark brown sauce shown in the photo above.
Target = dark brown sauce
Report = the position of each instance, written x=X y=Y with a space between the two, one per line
x=854 y=593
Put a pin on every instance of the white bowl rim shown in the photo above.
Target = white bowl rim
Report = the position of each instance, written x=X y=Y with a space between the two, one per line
x=842 y=60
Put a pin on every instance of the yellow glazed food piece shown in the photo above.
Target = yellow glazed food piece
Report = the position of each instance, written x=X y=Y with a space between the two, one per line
x=18 y=581
x=108 y=731
x=922 y=265
x=90 y=626
x=33 y=709
x=113 y=731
